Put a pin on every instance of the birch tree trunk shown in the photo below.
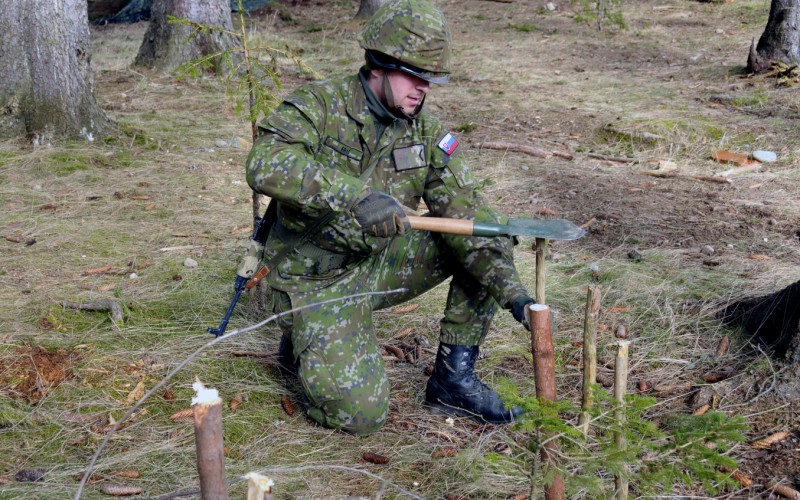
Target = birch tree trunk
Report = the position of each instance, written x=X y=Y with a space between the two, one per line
x=47 y=84
x=368 y=7
x=165 y=46
x=780 y=41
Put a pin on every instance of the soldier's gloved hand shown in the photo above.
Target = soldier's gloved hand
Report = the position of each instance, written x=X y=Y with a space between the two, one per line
x=518 y=306
x=380 y=215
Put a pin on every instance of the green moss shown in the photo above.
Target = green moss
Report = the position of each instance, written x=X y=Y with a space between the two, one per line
x=757 y=98
x=524 y=27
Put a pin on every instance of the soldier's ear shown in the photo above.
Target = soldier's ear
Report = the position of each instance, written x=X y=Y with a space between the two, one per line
x=375 y=73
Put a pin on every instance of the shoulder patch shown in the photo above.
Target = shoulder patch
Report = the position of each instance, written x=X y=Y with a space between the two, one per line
x=448 y=144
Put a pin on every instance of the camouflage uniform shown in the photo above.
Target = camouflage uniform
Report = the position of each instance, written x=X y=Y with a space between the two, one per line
x=309 y=157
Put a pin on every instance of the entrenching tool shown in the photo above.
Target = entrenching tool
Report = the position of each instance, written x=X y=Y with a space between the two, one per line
x=251 y=272
x=551 y=229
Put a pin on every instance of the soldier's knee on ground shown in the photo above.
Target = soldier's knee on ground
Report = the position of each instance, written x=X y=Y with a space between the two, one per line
x=352 y=416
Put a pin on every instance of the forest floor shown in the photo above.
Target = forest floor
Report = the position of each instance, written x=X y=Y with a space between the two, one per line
x=156 y=217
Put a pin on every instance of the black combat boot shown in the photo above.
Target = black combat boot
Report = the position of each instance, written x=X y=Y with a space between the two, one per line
x=288 y=365
x=454 y=388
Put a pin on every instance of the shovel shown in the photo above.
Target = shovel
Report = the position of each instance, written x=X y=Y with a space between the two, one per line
x=550 y=229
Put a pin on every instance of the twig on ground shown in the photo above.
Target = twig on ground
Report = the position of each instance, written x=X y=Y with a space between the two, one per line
x=612 y=158
x=704 y=178
x=517 y=148
x=771 y=385
x=101 y=305
x=184 y=247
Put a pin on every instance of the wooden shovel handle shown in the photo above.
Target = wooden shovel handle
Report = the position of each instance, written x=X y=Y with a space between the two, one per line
x=442 y=225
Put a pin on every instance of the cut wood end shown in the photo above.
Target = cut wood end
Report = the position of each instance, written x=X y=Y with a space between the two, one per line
x=204 y=395
x=259 y=481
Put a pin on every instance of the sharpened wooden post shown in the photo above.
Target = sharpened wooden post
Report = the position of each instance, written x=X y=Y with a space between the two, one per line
x=589 y=355
x=620 y=389
x=541 y=275
x=208 y=442
x=544 y=371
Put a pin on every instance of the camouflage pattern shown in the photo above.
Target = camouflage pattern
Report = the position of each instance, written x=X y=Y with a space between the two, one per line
x=412 y=31
x=309 y=158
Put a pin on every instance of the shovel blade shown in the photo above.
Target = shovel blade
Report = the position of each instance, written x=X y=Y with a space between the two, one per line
x=551 y=229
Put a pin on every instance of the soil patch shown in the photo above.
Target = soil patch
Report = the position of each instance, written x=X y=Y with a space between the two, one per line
x=34 y=371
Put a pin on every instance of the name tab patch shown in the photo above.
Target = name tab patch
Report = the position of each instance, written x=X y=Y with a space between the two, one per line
x=409 y=158
x=448 y=144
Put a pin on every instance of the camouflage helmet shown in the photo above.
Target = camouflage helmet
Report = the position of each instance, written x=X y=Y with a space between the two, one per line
x=411 y=36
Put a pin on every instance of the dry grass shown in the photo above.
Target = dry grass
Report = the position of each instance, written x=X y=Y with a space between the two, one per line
x=164 y=191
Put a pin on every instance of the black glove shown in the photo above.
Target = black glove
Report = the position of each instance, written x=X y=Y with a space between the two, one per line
x=518 y=306
x=380 y=215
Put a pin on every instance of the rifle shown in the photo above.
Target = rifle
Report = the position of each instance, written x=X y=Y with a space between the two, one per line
x=246 y=276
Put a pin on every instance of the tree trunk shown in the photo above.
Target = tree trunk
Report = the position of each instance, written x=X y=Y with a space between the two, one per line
x=780 y=41
x=48 y=83
x=14 y=82
x=368 y=8
x=165 y=46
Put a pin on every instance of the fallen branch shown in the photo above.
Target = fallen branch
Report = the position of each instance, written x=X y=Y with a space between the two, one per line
x=517 y=148
x=101 y=305
x=704 y=178
x=184 y=247
x=563 y=154
x=612 y=158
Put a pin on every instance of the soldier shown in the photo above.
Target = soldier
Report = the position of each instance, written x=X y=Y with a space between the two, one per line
x=340 y=160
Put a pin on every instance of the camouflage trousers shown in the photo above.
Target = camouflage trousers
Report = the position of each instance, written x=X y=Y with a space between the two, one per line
x=340 y=366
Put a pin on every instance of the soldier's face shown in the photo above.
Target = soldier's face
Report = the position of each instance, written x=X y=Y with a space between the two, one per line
x=408 y=90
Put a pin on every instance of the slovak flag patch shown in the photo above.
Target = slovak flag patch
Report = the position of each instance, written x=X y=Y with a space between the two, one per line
x=448 y=144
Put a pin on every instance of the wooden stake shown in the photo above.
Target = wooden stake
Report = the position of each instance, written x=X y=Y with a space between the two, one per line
x=541 y=253
x=208 y=442
x=259 y=487
x=620 y=389
x=544 y=371
x=589 y=355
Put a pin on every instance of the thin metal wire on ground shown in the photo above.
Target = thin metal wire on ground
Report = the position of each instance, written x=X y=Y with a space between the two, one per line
x=293 y=470
x=194 y=355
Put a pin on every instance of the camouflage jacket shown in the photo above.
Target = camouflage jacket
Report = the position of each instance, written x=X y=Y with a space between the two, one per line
x=323 y=137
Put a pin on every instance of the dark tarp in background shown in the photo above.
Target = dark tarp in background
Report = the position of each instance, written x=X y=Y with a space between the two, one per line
x=131 y=11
